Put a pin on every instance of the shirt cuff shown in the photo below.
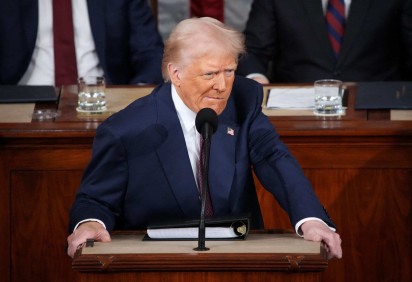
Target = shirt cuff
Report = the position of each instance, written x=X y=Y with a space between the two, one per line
x=298 y=230
x=253 y=75
x=89 y=219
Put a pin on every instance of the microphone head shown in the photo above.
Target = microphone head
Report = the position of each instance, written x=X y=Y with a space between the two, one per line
x=206 y=115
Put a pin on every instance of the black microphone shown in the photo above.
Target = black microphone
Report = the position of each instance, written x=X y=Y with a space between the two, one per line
x=206 y=122
x=206 y=125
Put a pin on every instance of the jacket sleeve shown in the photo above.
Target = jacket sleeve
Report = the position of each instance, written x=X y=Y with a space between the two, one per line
x=279 y=172
x=103 y=185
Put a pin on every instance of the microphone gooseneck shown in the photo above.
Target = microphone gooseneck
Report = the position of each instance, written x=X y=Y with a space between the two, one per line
x=206 y=125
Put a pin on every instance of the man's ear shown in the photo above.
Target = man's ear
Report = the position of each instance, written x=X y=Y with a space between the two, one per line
x=174 y=74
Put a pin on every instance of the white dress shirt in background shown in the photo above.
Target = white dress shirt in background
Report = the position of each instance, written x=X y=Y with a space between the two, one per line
x=41 y=68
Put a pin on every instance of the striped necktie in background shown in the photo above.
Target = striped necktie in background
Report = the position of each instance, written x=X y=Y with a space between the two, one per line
x=335 y=22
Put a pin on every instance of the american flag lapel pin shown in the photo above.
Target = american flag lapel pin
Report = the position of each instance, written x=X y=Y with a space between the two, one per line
x=230 y=131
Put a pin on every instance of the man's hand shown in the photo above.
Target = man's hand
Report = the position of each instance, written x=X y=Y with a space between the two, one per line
x=86 y=230
x=314 y=230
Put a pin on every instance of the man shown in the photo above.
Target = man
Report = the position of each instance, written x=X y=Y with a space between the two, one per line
x=144 y=158
x=117 y=39
x=287 y=41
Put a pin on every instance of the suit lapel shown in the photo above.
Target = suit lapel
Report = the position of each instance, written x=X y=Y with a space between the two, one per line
x=221 y=165
x=175 y=160
x=19 y=41
x=317 y=18
x=357 y=14
x=174 y=157
x=97 y=17
x=31 y=22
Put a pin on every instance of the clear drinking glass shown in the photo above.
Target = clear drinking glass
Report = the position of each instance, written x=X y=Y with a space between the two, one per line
x=91 y=94
x=328 y=97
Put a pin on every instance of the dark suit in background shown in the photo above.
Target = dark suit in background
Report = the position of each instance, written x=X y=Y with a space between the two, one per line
x=140 y=169
x=292 y=36
x=127 y=41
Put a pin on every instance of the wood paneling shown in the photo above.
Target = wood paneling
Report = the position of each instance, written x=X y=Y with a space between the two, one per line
x=201 y=277
x=40 y=202
x=373 y=218
x=5 y=258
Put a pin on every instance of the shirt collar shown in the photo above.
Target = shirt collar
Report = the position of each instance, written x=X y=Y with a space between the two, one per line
x=186 y=116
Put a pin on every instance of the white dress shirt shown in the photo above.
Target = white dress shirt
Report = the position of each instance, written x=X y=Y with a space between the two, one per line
x=347 y=6
x=187 y=120
x=41 y=68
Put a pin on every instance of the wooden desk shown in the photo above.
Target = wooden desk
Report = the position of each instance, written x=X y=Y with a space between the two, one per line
x=276 y=252
x=360 y=167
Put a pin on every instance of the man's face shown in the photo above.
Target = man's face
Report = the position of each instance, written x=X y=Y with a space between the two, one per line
x=206 y=82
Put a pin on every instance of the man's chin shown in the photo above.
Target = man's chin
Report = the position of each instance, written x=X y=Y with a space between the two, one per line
x=217 y=108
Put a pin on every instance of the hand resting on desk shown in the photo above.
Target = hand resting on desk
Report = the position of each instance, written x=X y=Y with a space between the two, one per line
x=312 y=230
x=87 y=230
x=317 y=231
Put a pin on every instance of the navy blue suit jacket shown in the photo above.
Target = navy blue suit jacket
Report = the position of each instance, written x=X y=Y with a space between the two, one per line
x=127 y=41
x=140 y=168
x=292 y=35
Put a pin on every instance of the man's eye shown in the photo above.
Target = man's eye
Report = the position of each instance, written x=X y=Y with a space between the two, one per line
x=209 y=75
x=229 y=73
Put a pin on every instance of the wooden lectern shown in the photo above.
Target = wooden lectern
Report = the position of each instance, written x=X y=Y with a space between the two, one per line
x=263 y=256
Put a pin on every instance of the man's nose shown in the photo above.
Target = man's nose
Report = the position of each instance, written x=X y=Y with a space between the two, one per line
x=220 y=82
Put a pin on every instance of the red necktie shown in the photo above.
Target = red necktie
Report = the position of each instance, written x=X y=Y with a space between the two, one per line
x=208 y=206
x=208 y=8
x=335 y=22
x=64 y=51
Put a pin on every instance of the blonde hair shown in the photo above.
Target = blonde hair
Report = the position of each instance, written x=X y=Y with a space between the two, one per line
x=191 y=33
